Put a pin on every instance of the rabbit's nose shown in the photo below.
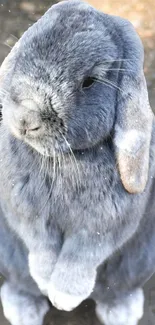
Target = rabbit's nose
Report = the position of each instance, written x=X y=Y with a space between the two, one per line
x=27 y=121
x=28 y=126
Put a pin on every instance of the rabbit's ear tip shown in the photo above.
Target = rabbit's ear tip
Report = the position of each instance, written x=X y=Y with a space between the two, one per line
x=134 y=187
x=133 y=175
x=132 y=150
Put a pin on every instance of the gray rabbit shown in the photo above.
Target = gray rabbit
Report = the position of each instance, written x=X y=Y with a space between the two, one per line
x=78 y=164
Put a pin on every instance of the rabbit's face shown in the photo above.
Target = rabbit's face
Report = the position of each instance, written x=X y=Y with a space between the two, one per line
x=62 y=93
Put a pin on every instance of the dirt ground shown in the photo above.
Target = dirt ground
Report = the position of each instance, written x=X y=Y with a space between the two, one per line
x=15 y=18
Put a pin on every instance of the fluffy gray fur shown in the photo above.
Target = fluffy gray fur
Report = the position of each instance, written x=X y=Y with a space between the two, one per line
x=70 y=155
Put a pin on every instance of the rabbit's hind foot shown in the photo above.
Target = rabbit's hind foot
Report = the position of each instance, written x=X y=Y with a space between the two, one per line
x=126 y=311
x=21 y=308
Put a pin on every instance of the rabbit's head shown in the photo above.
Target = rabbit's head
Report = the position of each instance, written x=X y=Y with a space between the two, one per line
x=74 y=79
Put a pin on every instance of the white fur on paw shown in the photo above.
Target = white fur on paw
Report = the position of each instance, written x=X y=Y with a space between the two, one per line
x=22 y=309
x=63 y=301
x=39 y=273
x=126 y=312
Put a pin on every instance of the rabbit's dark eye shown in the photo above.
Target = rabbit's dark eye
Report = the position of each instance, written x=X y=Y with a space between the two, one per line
x=88 y=82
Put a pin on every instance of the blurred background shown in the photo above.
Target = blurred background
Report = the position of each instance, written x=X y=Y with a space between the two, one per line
x=15 y=18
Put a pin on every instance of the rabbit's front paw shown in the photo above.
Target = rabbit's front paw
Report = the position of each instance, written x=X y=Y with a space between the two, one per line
x=64 y=301
x=41 y=267
x=67 y=290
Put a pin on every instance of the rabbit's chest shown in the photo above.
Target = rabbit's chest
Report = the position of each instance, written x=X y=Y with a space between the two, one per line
x=72 y=197
x=65 y=196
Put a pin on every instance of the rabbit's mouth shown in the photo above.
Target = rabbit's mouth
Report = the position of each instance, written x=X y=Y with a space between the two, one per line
x=47 y=143
x=49 y=147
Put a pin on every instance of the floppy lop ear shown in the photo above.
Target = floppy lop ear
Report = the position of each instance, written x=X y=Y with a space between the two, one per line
x=133 y=113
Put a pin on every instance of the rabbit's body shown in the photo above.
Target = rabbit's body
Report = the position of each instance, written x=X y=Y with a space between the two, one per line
x=129 y=267
x=127 y=270
x=75 y=197
x=72 y=135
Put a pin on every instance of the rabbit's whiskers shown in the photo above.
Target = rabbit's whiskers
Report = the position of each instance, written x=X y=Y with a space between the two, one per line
x=74 y=163
x=109 y=83
x=118 y=60
x=43 y=170
x=117 y=69
x=10 y=47
x=41 y=164
x=60 y=158
x=14 y=37
x=48 y=163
